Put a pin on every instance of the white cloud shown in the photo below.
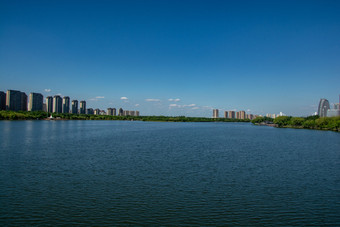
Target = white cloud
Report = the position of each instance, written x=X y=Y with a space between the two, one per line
x=195 y=108
x=123 y=98
x=152 y=100
x=174 y=100
x=248 y=110
x=190 y=105
x=174 y=105
x=137 y=105
x=47 y=90
x=100 y=97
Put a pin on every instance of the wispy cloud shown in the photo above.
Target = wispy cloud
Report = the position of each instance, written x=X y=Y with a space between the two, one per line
x=100 y=97
x=174 y=105
x=137 y=105
x=93 y=99
x=47 y=90
x=123 y=98
x=174 y=100
x=152 y=100
x=195 y=108
x=59 y=94
x=190 y=105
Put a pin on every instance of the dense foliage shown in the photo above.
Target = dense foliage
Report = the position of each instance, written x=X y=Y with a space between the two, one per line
x=311 y=122
x=10 y=115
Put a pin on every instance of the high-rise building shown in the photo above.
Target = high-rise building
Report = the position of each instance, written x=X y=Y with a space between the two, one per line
x=225 y=114
x=337 y=106
x=66 y=104
x=13 y=100
x=82 y=108
x=57 y=104
x=75 y=106
x=96 y=111
x=36 y=101
x=231 y=114
x=242 y=114
x=2 y=100
x=323 y=107
x=120 y=112
x=111 y=111
x=90 y=111
x=137 y=113
x=23 y=101
x=49 y=104
x=215 y=113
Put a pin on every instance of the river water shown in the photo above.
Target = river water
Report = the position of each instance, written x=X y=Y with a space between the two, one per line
x=159 y=173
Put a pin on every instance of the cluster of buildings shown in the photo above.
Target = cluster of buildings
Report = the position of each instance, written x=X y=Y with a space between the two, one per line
x=324 y=109
x=17 y=101
x=234 y=115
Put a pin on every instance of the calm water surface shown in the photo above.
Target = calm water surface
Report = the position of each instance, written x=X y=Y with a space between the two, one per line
x=147 y=173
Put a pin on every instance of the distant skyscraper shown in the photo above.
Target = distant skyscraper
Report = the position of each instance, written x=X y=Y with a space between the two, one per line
x=2 y=100
x=90 y=111
x=66 y=104
x=120 y=112
x=114 y=111
x=323 y=107
x=23 y=101
x=231 y=114
x=13 y=100
x=57 y=104
x=242 y=114
x=96 y=111
x=225 y=114
x=49 y=104
x=82 y=107
x=137 y=113
x=110 y=111
x=215 y=113
x=75 y=106
x=36 y=101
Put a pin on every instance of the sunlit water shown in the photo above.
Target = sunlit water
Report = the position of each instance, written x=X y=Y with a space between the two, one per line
x=147 y=173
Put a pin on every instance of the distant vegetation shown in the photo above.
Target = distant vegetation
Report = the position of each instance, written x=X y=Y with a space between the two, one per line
x=311 y=122
x=40 y=115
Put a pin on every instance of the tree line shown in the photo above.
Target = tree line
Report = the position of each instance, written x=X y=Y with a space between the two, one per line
x=40 y=115
x=311 y=122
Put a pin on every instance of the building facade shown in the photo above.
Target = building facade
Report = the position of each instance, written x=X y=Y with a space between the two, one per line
x=82 y=107
x=90 y=111
x=215 y=113
x=2 y=100
x=13 y=100
x=120 y=112
x=74 y=107
x=231 y=114
x=323 y=107
x=23 y=101
x=36 y=101
x=57 y=104
x=49 y=104
x=66 y=104
x=225 y=114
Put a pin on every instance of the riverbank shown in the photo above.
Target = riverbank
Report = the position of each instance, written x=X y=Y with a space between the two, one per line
x=39 y=115
x=311 y=122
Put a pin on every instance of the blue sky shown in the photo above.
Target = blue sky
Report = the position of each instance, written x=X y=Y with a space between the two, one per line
x=260 y=56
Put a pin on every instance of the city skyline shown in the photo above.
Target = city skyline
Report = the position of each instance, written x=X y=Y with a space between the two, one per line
x=175 y=58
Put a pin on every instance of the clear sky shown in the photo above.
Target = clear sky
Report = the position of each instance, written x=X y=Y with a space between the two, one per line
x=175 y=57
